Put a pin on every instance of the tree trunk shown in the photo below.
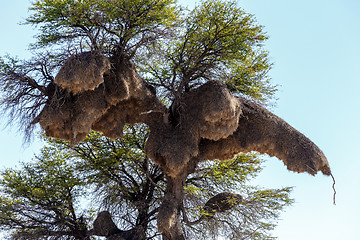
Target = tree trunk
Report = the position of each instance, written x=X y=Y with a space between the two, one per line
x=169 y=213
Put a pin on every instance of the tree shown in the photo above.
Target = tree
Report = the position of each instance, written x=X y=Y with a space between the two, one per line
x=103 y=64
x=46 y=198
x=41 y=199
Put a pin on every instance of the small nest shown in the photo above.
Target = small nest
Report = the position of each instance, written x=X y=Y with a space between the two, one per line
x=104 y=225
x=83 y=72
x=221 y=202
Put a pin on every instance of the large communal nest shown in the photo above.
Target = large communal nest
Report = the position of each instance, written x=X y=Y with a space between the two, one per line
x=204 y=124
x=213 y=124
x=88 y=95
x=209 y=112
x=262 y=131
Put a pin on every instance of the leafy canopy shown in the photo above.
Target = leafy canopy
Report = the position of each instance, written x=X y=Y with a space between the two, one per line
x=98 y=24
x=174 y=50
x=42 y=198
x=46 y=198
x=219 y=41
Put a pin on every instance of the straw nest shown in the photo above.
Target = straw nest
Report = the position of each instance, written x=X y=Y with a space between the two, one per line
x=83 y=72
x=209 y=111
x=121 y=97
x=104 y=225
x=260 y=130
x=204 y=124
x=221 y=202
x=71 y=117
x=129 y=111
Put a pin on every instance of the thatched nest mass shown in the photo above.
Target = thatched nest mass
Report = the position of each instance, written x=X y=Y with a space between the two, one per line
x=105 y=227
x=95 y=97
x=83 y=72
x=208 y=122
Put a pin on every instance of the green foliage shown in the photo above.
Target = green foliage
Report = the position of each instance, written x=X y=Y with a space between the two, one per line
x=174 y=50
x=41 y=199
x=96 y=24
x=253 y=218
x=24 y=86
x=46 y=197
x=217 y=32
x=123 y=180
x=218 y=41
x=239 y=169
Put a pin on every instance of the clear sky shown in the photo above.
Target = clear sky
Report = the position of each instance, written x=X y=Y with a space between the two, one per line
x=314 y=45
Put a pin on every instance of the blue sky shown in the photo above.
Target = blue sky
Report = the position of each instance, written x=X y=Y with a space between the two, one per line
x=316 y=55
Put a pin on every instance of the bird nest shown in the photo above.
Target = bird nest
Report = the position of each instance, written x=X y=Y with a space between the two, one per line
x=204 y=124
x=209 y=112
x=262 y=131
x=220 y=203
x=83 y=72
x=88 y=96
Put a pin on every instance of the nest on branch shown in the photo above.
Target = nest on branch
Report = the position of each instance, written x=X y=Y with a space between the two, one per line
x=220 y=203
x=262 y=131
x=206 y=123
x=105 y=227
x=96 y=98
x=83 y=72
x=209 y=112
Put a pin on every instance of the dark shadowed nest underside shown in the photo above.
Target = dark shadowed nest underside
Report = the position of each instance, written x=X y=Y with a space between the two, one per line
x=105 y=227
x=210 y=123
x=221 y=202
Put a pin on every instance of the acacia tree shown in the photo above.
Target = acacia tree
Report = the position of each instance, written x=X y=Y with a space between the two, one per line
x=104 y=64
x=46 y=198
x=41 y=199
